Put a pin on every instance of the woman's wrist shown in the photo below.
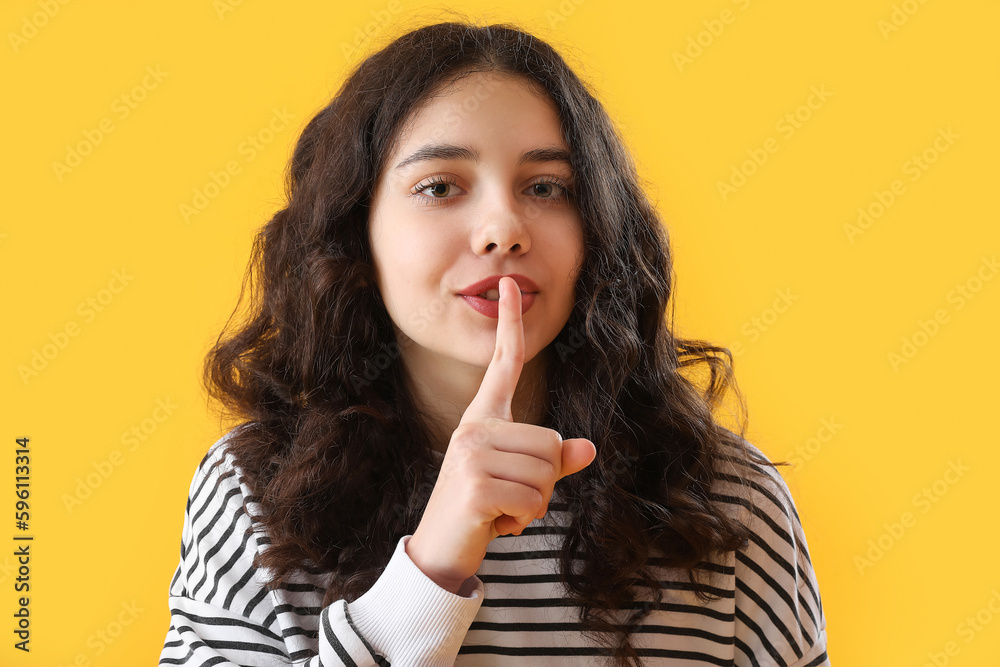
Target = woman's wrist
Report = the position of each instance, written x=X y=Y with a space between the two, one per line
x=424 y=563
x=408 y=618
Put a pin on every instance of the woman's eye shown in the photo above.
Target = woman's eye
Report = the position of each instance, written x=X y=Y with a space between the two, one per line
x=551 y=190
x=444 y=189
x=437 y=189
x=545 y=189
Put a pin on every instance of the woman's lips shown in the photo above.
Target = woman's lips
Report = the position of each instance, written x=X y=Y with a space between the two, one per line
x=524 y=284
x=492 y=308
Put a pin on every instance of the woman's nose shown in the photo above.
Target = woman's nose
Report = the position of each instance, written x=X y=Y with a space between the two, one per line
x=502 y=227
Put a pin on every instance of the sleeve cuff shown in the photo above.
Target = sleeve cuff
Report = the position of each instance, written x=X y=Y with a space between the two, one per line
x=409 y=619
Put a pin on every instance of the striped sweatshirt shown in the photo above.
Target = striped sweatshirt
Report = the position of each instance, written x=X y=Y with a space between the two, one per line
x=514 y=611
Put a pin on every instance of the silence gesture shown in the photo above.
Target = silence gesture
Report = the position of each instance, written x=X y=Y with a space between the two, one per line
x=497 y=475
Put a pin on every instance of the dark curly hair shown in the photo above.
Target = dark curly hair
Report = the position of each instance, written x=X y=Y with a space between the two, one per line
x=330 y=441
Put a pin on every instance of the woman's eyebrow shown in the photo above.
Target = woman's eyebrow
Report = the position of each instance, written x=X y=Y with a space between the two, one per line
x=453 y=152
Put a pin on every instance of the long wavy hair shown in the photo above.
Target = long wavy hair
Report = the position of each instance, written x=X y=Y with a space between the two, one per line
x=330 y=440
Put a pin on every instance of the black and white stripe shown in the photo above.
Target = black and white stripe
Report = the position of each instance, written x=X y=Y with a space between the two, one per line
x=768 y=612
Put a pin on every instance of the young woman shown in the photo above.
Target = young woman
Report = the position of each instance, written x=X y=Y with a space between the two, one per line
x=466 y=433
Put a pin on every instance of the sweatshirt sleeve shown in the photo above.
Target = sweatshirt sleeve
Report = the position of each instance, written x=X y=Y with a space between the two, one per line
x=779 y=612
x=221 y=613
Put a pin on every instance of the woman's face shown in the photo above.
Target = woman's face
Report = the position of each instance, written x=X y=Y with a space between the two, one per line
x=476 y=189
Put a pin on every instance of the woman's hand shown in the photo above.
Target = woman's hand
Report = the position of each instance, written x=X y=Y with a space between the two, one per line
x=498 y=475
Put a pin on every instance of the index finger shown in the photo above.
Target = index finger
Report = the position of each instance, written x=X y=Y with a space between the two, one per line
x=497 y=390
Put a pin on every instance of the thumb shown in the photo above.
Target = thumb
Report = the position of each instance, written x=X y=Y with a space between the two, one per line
x=577 y=454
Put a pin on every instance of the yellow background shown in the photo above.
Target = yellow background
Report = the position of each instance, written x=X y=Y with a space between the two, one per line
x=224 y=70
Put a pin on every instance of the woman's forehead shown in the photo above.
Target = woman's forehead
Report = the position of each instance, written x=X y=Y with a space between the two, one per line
x=478 y=105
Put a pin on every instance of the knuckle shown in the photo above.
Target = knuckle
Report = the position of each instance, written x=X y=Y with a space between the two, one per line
x=547 y=468
x=493 y=423
x=470 y=436
x=478 y=487
x=463 y=456
x=526 y=501
x=548 y=448
x=508 y=355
